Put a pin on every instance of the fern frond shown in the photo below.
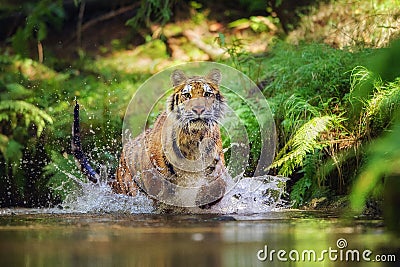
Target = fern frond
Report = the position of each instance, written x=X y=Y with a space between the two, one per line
x=4 y=116
x=31 y=113
x=304 y=141
x=296 y=112
x=300 y=107
x=15 y=91
x=3 y=143
x=383 y=103
x=378 y=99
x=358 y=76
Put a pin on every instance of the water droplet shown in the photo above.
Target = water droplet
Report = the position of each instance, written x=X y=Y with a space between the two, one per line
x=197 y=237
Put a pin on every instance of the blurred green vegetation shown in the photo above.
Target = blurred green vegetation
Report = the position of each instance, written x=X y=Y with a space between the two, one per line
x=35 y=112
x=336 y=110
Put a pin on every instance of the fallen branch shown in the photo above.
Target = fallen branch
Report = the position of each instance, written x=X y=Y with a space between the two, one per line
x=213 y=52
x=109 y=15
x=81 y=28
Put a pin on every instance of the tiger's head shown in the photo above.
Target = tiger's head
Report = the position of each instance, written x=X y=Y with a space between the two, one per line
x=197 y=101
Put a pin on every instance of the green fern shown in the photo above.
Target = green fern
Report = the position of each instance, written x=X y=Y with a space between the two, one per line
x=14 y=111
x=156 y=11
x=60 y=170
x=380 y=108
x=11 y=110
x=296 y=112
x=378 y=100
x=380 y=113
x=304 y=141
x=298 y=195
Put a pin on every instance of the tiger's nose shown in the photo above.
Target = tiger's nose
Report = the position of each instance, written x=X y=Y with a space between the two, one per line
x=198 y=110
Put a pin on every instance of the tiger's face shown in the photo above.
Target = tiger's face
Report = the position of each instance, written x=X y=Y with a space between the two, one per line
x=197 y=101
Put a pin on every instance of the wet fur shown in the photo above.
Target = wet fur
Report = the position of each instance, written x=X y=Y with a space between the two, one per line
x=190 y=121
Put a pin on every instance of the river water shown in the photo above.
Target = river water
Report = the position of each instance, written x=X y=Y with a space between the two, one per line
x=54 y=237
x=250 y=226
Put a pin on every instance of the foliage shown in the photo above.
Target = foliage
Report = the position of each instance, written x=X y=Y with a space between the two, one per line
x=246 y=116
x=156 y=11
x=313 y=71
x=256 y=23
x=33 y=143
x=376 y=101
x=64 y=175
x=14 y=111
x=304 y=141
x=301 y=191
x=20 y=122
x=40 y=16
x=380 y=122
x=309 y=89
x=373 y=110
x=239 y=58
x=383 y=160
x=346 y=23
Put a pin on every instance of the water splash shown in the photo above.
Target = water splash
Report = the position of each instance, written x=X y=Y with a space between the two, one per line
x=250 y=195
x=99 y=198
x=254 y=195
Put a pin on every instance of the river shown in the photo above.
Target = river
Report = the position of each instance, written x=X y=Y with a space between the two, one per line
x=55 y=237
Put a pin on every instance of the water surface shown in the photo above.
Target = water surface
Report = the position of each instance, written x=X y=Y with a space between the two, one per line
x=52 y=237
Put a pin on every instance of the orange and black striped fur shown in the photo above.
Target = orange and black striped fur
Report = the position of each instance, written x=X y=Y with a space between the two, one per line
x=182 y=136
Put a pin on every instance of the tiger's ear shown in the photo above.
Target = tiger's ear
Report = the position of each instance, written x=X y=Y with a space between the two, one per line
x=214 y=76
x=178 y=77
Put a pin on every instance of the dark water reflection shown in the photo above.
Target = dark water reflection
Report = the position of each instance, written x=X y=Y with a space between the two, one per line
x=36 y=238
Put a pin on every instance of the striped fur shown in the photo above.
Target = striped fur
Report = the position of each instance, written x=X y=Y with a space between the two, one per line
x=190 y=121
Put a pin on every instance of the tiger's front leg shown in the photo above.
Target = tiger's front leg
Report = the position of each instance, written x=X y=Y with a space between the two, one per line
x=212 y=192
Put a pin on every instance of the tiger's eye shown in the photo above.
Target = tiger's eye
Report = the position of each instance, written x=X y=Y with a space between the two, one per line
x=208 y=94
x=186 y=95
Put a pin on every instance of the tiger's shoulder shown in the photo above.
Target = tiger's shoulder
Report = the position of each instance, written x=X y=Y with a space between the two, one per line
x=191 y=119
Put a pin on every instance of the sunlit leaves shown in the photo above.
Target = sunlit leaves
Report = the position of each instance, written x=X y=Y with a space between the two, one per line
x=380 y=113
x=304 y=141
x=16 y=111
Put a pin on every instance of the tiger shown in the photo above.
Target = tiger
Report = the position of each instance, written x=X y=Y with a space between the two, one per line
x=183 y=148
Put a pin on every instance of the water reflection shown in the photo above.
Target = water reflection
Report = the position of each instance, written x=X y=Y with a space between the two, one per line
x=45 y=239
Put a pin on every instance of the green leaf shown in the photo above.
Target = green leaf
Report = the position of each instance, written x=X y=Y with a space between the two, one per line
x=304 y=141
x=42 y=31
x=239 y=23
x=13 y=152
x=15 y=91
x=31 y=113
x=221 y=38
x=3 y=143
x=62 y=170
x=383 y=160
x=19 y=43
